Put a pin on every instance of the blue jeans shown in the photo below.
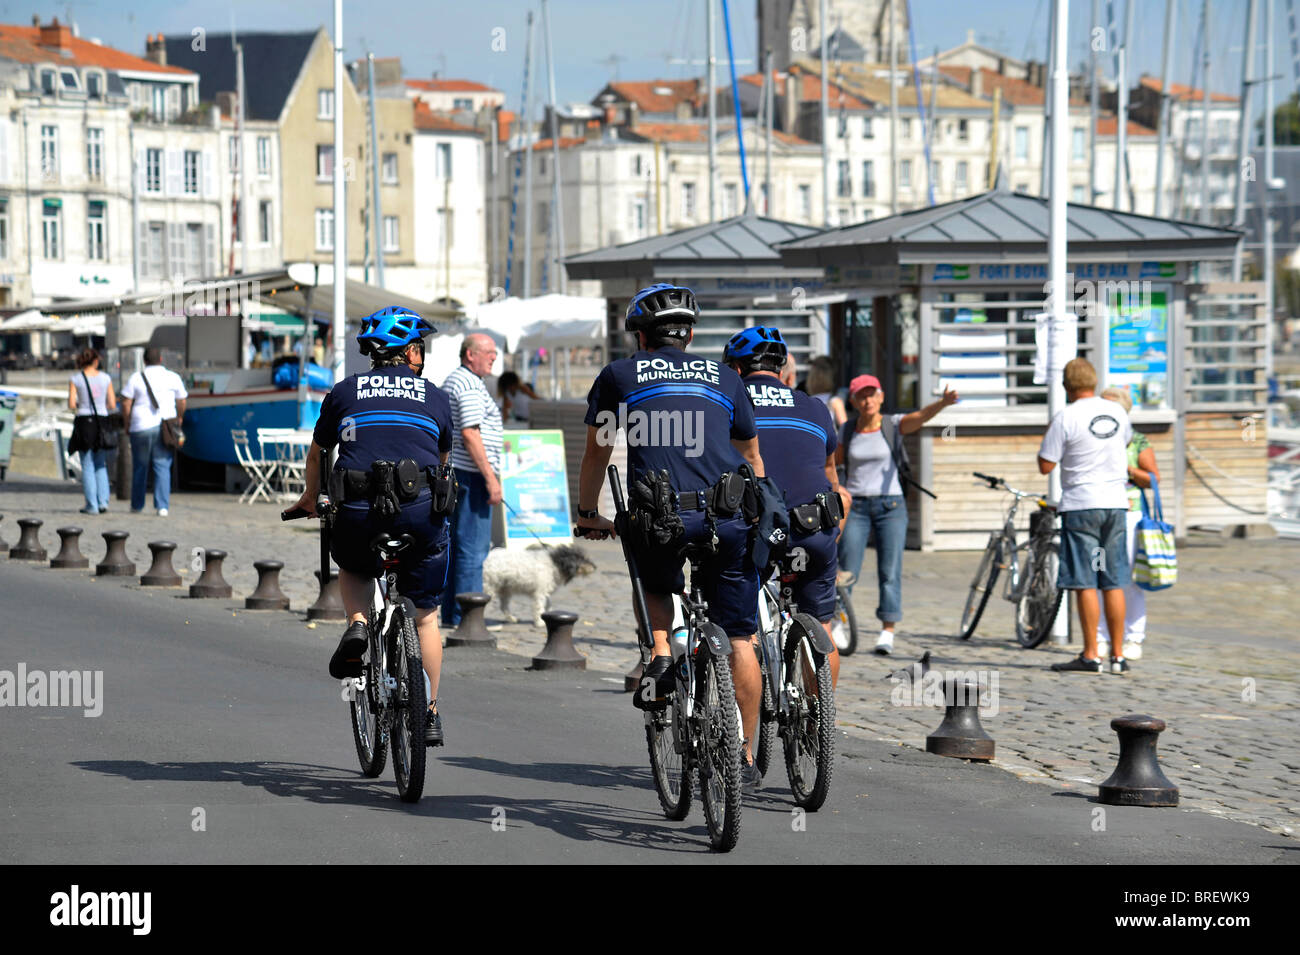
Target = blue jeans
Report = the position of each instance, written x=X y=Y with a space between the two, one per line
x=883 y=516
x=94 y=478
x=148 y=450
x=471 y=539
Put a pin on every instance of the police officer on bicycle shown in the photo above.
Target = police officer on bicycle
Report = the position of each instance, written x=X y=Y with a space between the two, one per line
x=690 y=436
x=393 y=431
x=798 y=440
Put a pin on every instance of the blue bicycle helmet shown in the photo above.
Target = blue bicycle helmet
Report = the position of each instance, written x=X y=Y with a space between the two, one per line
x=661 y=304
x=391 y=329
x=750 y=345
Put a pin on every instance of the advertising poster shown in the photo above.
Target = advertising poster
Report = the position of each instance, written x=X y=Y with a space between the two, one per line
x=1138 y=347
x=535 y=485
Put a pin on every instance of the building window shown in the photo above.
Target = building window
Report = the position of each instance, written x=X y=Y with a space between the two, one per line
x=843 y=130
x=191 y=172
x=636 y=166
x=688 y=201
x=730 y=192
x=69 y=79
x=905 y=128
x=96 y=234
x=324 y=230
x=48 y=86
x=805 y=202
x=390 y=168
x=1076 y=144
x=94 y=153
x=264 y=155
x=234 y=153
x=867 y=132
x=195 y=257
x=963 y=131
x=905 y=174
x=157 y=101
x=324 y=104
x=462 y=104
x=442 y=163
x=94 y=85
x=52 y=228
x=936 y=175
x=264 y=222
x=153 y=171
x=1079 y=194
x=1022 y=142
x=868 y=179
x=636 y=218
x=49 y=153
x=391 y=240
x=324 y=162
x=961 y=181
x=4 y=229
x=153 y=257
x=843 y=187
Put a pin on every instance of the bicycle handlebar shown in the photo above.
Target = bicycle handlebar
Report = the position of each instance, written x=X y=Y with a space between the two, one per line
x=296 y=513
x=992 y=481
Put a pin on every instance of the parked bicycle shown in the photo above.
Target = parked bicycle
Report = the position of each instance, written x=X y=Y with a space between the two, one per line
x=1031 y=568
x=389 y=701
x=695 y=732
x=798 y=693
x=844 y=625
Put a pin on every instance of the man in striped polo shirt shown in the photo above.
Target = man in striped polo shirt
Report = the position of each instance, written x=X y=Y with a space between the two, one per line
x=476 y=456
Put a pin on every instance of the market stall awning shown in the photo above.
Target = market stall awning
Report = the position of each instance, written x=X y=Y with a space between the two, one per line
x=29 y=321
x=509 y=319
x=1000 y=225
x=574 y=333
x=360 y=300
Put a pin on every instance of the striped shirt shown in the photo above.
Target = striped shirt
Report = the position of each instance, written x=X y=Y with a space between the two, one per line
x=473 y=407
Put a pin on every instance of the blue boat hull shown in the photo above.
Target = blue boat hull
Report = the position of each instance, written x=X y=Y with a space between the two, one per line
x=209 y=419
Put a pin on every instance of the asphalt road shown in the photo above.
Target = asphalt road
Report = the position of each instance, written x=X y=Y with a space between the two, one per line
x=217 y=715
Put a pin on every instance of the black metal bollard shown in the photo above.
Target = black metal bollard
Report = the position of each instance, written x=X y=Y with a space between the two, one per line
x=160 y=572
x=960 y=734
x=29 y=542
x=268 y=595
x=1137 y=780
x=329 y=605
x=115 y=562
x=559 y=652
x=210 y=582
x=69 y=556
x=4 y=544
x=472 y=631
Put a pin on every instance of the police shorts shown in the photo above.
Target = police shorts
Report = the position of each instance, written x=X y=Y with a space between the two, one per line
x=728 y=581
x=815 y=558
x=422 y=573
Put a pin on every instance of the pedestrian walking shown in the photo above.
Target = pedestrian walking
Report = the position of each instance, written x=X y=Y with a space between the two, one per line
x=821 y=385
x=1141 y=469
x=153 y=401
x=94 y=433
x=875 y=462
x=1088 y=440
x=476 y=458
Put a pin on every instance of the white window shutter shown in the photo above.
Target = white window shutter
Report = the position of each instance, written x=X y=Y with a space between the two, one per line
x=211 y=265
x=4 y=152
x=175 y=172
x=175 y=248
x=139 y=171
x=205 y=162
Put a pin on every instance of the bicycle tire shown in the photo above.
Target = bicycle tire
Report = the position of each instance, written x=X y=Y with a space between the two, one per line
x=372 y=748
x=766 y=725
x=978 y=599
x=719 y=745
x=845 y=617
x=810 y=735
x=1036 y=610
x=410 y=714
x=665 y=732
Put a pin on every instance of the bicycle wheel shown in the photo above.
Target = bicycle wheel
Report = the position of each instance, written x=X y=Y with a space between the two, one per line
x=719 y=720
x=665 y=736
x=410 y=712
x=372 y=747
x=766 y=724
x=810 y=735
x=844 y=625
x=978 y=597
x=1036 y=610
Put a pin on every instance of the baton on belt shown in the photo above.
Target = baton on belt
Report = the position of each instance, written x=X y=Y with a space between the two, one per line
x=621 y=519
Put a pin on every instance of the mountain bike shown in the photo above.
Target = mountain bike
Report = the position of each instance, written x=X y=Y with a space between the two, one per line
x=694 y=732
x=389 y=701
x=1031 y=570
x=798 y=695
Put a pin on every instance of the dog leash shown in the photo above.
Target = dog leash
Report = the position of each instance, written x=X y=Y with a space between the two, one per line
x=526 y=527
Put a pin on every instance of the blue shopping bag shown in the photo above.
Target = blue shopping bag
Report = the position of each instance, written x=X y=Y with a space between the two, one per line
x=1155 y=560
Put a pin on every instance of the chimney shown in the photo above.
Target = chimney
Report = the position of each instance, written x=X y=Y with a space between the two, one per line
x=227 y=102
x=155 y=49
x=977 y=81
x=790 y=114
x=54 y=35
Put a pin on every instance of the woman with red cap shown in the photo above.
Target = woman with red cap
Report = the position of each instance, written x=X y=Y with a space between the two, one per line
x=871 y=452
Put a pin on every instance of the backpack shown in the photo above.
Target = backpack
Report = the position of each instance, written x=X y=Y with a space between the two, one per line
x=894 y=438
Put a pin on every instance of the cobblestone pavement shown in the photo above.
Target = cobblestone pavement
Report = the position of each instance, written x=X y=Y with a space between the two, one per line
x=1222 y=652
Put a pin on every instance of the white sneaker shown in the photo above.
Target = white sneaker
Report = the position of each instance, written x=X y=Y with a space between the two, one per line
x=885 y=643
x=839 y=635
x=1132 y=651
x=162 y=512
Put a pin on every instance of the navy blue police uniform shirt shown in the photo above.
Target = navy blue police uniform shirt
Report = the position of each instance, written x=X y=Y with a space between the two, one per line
x=795 y=436
x=680 y=412
x=385 y=414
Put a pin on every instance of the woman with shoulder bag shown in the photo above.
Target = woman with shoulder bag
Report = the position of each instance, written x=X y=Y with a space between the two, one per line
x=871 y=452
x=94 y=433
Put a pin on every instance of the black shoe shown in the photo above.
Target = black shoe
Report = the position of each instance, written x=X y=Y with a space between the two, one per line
x=433 y=730
x=1080 y=664
x=1118 y=665
x=750 y=777
x=660 y=671
x=346 y=661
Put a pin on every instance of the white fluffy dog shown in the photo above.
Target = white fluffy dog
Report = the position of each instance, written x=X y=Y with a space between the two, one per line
x=534 y=573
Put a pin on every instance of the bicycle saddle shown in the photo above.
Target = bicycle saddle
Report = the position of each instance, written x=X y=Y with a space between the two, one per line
x=389 y=544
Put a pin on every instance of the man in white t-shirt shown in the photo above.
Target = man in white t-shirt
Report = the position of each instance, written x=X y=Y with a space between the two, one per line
x=145 y=414
x=1088 y=440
